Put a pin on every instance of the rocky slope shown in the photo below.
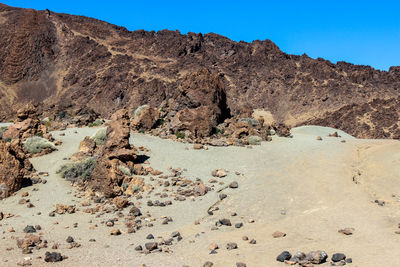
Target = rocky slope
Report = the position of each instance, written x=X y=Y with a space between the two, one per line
x=82 y=65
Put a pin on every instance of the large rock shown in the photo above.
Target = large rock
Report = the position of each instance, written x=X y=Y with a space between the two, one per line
x=199 y=103
x=107 y=176
x=13 y=167
x=146 y=119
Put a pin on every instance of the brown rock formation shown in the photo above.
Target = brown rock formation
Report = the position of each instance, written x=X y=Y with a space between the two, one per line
x=67 y=63
x=107 y=177
x=14 y=165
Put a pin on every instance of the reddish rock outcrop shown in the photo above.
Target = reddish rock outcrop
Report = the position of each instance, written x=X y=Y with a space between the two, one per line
x=107 y=177
x=14 y=166
x=198 y=104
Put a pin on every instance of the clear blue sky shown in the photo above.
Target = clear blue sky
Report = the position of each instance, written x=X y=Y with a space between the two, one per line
x=361 y=32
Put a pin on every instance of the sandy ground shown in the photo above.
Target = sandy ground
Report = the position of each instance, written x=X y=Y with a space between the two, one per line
x=307 y=188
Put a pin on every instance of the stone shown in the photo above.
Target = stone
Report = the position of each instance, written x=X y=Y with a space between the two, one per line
x=240 y=264
x=234 y=185
x=278 y=234
x=197 y=146
x=231 y=246
x=219 y=173
x=238 y=225
x=347 y=231
x=29 y=229
x=285 y=255
x=151 y=246
x=139 y=248
x=115 y=231
x=149 y=236
x=317 y=257
x=225 y=222
x=208 y=264
x=213 y=246
x=338 y=257
x=53 y=257
x=319 y=138
x=222 y=196
x=70 y=239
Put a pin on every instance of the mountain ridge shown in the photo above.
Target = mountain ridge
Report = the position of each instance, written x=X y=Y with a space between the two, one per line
x=71 y=63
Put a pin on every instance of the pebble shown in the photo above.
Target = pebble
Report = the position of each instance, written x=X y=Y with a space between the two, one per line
x=240 y=264
x=208 y=264
x=238 y=225
x=222 y=196
x=213 y=246
x=347 y=231
x=115 y=231
x=231 y=246
x=53 y=257
x=225 y=222
x=338 y=257
x=234 y=185
x=278 y=234
x=150 y=236
x=151 y=246
x=29 y=229
x=70 y=239
x=285 y=255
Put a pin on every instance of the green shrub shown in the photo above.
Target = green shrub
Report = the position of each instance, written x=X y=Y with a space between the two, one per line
x=40 y=134
x=2 y=130
x=180 y=135
x=125 y=170
x=141 y=131
x=36 y=144
x=95 y=123
x=254 y=140
x=160 y=122
x=78 y=170
x=139 y=110
x=100 y=137
x=8 y=140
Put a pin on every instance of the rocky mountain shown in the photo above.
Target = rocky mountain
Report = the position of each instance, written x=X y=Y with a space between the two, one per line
x=61 y=62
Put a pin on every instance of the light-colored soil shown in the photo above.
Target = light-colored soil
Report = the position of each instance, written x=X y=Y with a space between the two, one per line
x=307 y=188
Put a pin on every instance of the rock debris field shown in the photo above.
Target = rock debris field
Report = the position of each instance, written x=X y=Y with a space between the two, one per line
x=309 y=200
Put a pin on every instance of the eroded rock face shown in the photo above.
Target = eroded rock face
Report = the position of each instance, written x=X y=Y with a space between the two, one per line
x=107 y=176
x=199 y=103
x=13 y=167
x=147 y=119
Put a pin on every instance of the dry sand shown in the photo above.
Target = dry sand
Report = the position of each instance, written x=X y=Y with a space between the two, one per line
x=307 y=188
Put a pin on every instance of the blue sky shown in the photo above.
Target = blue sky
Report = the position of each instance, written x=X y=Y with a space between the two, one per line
x=360 y=32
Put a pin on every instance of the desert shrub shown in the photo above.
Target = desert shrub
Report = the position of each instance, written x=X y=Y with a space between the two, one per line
x=250 y=121
x=180 y=135
x=141 y=130
x=254 y=140
x=2 y=129
x=78 y=170
x=125 y=170
x=40 y=134
x=160 y=122
x=36 y=144
x=8 y=139
x=139 y=110
x=95 y=123
x=137 y=188
x=100 y=137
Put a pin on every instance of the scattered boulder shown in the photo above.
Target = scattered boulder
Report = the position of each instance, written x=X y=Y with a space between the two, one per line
x=146 y=118
x=53 y=257
x=285 y=255
x=338 y=257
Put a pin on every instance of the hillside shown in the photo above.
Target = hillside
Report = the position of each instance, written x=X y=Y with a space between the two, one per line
x=77 y=64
